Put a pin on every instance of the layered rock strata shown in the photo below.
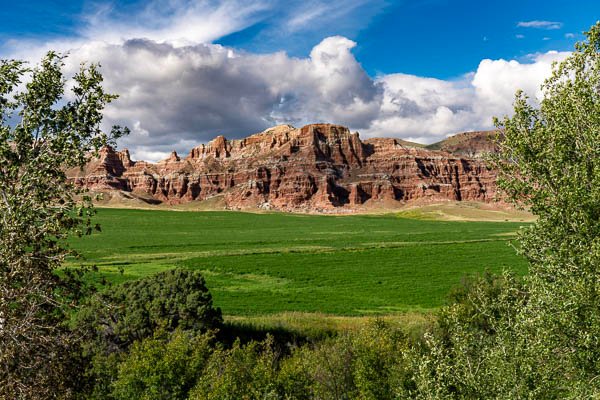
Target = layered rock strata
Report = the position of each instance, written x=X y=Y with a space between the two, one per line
x=318 y=167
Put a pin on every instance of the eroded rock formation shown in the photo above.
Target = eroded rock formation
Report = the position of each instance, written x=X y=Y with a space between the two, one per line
x=318 y=167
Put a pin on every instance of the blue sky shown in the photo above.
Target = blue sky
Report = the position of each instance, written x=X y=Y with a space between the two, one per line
x=446 y=38
x=187 y=70
x=438 y=38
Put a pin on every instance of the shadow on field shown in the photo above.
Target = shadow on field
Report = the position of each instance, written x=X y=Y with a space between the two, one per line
x=284 y=337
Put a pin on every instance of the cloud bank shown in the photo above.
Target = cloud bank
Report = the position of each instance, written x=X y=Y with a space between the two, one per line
x=177 y=89
x=176 y=97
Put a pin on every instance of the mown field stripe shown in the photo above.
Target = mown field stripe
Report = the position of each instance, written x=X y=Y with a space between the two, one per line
x=175 y=256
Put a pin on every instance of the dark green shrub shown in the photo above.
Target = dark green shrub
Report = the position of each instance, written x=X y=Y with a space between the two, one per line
x=115 y=319
x=135 y=310
x=379 y=367
x=366 y=364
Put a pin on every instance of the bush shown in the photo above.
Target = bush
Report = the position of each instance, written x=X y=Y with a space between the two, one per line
x=240 y=373
x=470 y=353
x=115 y=319
x=368 y=364
x=135 y=310
x=163 y=368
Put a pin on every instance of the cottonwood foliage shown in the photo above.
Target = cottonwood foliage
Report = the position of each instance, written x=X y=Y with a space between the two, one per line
x=539 y=338
x=41 y=134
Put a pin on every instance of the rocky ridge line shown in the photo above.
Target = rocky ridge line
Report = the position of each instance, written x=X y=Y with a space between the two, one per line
x=319 y=167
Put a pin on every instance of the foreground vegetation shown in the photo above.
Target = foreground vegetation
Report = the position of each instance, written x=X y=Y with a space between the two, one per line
x=272 y=263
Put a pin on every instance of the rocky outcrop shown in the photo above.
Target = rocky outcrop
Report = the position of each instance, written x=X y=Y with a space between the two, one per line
x=318 y=167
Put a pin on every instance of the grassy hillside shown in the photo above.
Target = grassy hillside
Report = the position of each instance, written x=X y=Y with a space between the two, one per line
x=467 y=144
x=272 y=263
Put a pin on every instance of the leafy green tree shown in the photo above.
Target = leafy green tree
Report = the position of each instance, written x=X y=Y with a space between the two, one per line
x=539 y=338
x=553 y=167
x=41 y=134
x=135 y=310
x=163 y=368
x=245 y=372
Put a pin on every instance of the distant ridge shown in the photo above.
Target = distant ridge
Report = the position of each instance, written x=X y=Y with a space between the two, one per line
x=468 y=144
x=316 y=168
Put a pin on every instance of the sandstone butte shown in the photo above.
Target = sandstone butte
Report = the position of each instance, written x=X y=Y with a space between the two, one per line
x=316 y=168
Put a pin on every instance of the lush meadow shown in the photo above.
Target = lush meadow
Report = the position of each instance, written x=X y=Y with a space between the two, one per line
x=273 y=263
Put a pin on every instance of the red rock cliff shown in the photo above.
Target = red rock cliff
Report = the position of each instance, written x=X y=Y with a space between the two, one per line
x=315 y=168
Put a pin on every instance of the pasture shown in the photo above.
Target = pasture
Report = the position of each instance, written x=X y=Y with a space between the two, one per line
x=273 y=263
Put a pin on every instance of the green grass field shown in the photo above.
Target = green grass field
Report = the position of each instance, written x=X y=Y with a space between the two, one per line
x=257 y=264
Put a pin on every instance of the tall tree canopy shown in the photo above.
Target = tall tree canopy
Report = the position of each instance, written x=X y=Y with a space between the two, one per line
x=42 y=132
x=539 y=338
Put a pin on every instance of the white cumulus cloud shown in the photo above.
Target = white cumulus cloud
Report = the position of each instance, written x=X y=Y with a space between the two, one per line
x=174 y=97
x=496 y=81
x=427 y=109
